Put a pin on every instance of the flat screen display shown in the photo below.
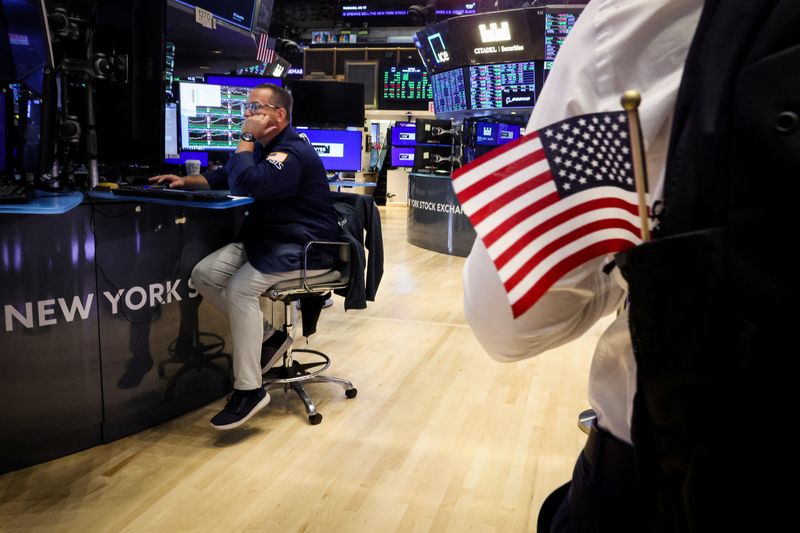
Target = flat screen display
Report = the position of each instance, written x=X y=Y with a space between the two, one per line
x=558 y=22
x=404 y=134
x=340 y=150
x=237 y=12
x=495 y=134
x=405 y=88
x=29 y=40
x=185 y=156
x=211 y=116
x=433 y=131
x=327 y=103
x=402 y=156
x=170 y=131
x=449 y=91
x=502 y=86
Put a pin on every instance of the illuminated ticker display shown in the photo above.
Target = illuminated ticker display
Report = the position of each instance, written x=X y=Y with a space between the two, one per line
x=504 y=85
x=449 y=91
x=556 y=28
x=406 y=84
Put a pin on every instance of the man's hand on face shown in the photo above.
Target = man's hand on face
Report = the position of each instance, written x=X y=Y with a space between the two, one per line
x=259 y=125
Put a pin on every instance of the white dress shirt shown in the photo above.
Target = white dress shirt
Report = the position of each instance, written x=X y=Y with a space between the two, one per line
x=616 y=45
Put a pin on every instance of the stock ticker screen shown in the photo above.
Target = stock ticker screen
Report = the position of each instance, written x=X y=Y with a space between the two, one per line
x=408 y=83
x=556 y=27
x=503 y=85
x=211 y=116
x=449 y=91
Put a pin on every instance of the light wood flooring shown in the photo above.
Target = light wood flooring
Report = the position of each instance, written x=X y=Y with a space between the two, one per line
x=440 y=437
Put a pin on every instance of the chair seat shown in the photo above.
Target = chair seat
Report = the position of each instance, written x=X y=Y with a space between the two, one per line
x=314 y=285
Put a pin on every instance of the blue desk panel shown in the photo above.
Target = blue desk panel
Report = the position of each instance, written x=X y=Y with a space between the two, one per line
x=45 y=203
x=163 y=201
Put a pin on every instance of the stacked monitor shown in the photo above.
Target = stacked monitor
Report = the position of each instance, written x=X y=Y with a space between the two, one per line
x=435 y=142
x=404 y=139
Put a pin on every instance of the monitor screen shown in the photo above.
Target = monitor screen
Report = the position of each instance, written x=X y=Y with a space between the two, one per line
x=508 y=133
x=455 y=8
x=402 y=156
x=181 y=158
x=327 y=103
x=340 y=150
x=404 y=134
x=237 y=12
x=29 y=40
x=502 y=86
x=558 y=22
x=211 y=116
x=449 y=91
x=170 y=131
x=241 y=81
x=495 y=134
x=4 y=127
x=405 y=88
x=432 y=158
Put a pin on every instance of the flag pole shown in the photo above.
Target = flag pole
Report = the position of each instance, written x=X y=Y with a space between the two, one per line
x=630 y=102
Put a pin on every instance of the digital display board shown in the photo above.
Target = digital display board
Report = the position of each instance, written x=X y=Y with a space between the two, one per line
x=557 y=24
x=340 y=150
x=404 y=134
x=237 y=12
x=502 y=86
x=449 y=91
x=402 y=156
x=409 y=83
x=495 y=134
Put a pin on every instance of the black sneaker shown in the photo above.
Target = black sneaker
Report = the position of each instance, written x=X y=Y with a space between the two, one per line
x=273 y=348
x=240 y=407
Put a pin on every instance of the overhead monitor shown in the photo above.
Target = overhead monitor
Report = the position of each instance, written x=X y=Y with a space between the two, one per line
x=434 y=131
x=327 y=103
x=340 y=150
x=28 y=38
x=433 y=159
x=558 y=22
x=495 y=133
x=455 y=8
x=237 y=12
x=402 y=156
x=211 y=116
x=449 y=91
x=502 y=86
x=405 y=88
x=241 y=81
x=404 y=134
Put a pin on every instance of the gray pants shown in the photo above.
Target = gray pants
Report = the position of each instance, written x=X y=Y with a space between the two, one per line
x=233 y=286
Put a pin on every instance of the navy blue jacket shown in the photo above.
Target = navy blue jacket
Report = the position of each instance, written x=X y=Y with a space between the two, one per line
x=292 y=205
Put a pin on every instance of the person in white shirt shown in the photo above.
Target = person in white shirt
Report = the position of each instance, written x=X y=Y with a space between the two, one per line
x=614 y=46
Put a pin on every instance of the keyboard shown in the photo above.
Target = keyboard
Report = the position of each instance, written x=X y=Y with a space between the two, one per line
x=181 y=195
x=14 y=194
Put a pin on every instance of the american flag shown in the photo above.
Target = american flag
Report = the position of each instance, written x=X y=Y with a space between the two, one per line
x=553 y=200
x=266 y=49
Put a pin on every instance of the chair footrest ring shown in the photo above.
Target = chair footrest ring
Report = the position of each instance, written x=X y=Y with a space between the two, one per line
x=297 y=372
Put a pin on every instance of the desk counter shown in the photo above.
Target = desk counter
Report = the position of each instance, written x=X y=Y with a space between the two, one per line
x=435 y=220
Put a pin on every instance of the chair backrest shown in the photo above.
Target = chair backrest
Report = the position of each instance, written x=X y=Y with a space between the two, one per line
x=337 y=278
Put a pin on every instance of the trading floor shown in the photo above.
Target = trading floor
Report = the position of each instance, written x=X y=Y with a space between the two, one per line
x=439 y=438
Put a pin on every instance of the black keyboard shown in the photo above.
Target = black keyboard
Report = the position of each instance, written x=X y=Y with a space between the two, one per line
x=14 y=194
x=181 y=195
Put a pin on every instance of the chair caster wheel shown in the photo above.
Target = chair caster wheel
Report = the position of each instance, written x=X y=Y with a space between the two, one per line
x=351 y=393
x=315 y=419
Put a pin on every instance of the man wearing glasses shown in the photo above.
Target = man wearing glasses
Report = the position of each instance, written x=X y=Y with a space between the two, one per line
x=286 y=178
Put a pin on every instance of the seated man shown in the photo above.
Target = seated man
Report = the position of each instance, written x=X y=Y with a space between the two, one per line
x=286 y=178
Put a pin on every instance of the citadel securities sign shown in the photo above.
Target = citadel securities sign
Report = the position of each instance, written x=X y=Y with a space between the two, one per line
x=51 y=311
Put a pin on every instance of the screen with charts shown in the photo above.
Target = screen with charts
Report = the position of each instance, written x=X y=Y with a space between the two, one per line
x=502 y=86
x=340 y=150
x=557 y=24
x=405 y=88
x=211 y=116
x=449 y=91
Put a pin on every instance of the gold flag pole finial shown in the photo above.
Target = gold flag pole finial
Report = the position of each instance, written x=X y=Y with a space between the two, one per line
x=630 y=102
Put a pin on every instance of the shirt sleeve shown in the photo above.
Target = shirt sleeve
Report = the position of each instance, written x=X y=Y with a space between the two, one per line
x=276 y=176
x=216 y=178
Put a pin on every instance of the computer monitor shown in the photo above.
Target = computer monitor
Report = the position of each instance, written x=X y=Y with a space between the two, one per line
x=28 y=38
x=558 y=22
x=404 y=88
x=5 y=129
x=495 y=133
x=327 y=103
x=433 y=159
x=402 y=156
x=502 y=86
x=170 y=131
x=404 y=134
x=340 y=150
x=449 y=91
x=129 y=107
x=508 y=132
x=241 y=81
x=434 y=131
x=182 y=157
x=211 y=116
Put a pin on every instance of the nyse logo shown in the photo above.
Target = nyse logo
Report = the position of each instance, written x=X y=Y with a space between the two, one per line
x=493 y=34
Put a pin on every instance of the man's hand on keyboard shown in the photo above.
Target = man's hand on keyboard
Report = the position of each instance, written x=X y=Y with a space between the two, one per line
x=171 y=180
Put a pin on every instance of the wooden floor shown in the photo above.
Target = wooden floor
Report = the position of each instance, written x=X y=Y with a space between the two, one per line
x=440 y=437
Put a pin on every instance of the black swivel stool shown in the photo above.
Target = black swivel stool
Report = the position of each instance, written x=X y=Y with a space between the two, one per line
x=293 y=374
